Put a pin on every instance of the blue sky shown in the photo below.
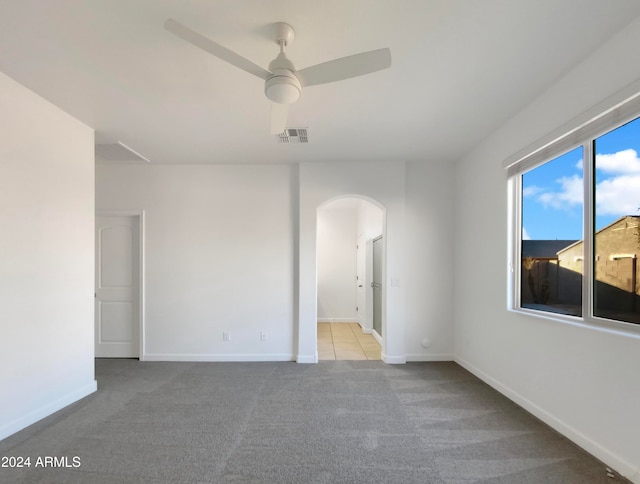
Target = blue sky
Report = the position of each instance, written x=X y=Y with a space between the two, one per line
x=552 y=193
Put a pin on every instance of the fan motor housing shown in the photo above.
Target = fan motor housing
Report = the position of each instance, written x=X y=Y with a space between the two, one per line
x=283 y=87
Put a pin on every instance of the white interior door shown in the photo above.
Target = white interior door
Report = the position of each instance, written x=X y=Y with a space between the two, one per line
x=361 y=305
x=117 y=325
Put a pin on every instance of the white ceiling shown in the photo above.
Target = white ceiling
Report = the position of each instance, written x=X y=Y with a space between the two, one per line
x=460 y=68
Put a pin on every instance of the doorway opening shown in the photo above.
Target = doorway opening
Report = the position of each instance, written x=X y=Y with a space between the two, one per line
x=349 y=290
x=119 y=314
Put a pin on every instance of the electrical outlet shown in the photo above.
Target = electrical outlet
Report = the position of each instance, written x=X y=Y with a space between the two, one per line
x=226 y=336
x=264 y=336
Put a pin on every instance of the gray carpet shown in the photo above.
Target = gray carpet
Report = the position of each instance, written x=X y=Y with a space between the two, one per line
x=334 y=422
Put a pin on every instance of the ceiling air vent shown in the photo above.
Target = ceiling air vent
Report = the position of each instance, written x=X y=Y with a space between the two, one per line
x=118 y=153
x=294 y=135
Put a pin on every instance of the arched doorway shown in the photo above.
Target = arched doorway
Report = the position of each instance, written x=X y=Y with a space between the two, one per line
x=350 y=290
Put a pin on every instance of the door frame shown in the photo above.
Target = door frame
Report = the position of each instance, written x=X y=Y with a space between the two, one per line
x=378 y=337
x=140 y=215
x=368 y=328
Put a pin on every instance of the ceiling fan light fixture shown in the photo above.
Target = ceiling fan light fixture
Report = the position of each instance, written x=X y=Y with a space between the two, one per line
x=283 y=89
x=283 y=82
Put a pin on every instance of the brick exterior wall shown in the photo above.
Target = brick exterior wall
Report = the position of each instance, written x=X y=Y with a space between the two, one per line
x=558 y=282
x=617 y=274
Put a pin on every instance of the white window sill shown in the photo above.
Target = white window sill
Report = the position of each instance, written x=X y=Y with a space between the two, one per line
x=619 y=328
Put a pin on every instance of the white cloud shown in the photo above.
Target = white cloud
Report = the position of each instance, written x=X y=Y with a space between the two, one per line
x=580 y=164
x=618 y=195
x=623 y=162
x=531 y=191
x=570 y=195
x=525 y=234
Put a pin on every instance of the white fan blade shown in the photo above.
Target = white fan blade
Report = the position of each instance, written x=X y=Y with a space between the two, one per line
x=279 y=114
x=215 y=49
x=346 y=67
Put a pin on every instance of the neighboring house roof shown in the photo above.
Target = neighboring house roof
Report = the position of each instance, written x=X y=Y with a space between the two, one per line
x=544 y=249
x=633 y=217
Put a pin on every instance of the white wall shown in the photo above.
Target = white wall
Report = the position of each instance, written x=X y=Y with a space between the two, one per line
x=337 y=241
x=370 y=220
x=219 y=257
x=46 y=258
x=430 y=221
x=581 y=380
x=227 y=246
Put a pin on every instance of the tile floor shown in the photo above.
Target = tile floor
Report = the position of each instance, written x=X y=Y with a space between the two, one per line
x=346 y=341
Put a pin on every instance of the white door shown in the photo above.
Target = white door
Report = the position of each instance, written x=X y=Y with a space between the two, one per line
x=117 y=325
x=360 y=278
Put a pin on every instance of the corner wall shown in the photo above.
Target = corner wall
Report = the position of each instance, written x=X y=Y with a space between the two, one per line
x=46 y=258
x=581 y=380
x=218 y=256
x=429 y=296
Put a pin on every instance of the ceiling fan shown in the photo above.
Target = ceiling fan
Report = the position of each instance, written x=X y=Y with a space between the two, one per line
x=283 y=83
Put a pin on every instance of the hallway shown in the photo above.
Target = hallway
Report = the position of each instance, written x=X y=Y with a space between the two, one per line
x=346 y=341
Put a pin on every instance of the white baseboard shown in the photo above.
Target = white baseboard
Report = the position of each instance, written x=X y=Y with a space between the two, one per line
x=366 y=330
x=39 y=413
x=432 y=357
x=337 y=320
x=376 y=336
x=625 y=468
x=218 y=357
x=307 y=358
x=393 y=360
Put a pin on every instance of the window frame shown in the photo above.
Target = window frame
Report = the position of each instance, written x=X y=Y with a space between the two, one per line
x=615 y=111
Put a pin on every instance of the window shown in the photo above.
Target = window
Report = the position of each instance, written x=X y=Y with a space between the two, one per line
x=552 y=215
x=576 y=220
x=617 y=230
